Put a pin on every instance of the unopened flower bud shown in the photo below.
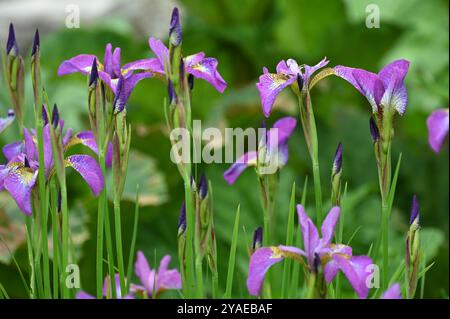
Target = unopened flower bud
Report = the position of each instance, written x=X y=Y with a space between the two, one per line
x=12 y=49
x=175 y=33
x=55 y=116
x=257 y=238
x=203 y=187
x=182 y=220
x=36 y=43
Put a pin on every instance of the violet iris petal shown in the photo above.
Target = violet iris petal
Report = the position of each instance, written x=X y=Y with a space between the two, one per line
x=437 y=124
x=196 y=64
x=393 y=292
x=271 y=84
x=164 y=278
x=19 y=182
x=383 y=90
x=89 y=169
x=260 y=262
x=236 y=169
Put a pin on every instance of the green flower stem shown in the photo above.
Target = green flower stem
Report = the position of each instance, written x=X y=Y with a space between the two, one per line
x=30 y=258
x=119 y=249
x=198 y=252
x=56 y=240
x=110 y=253
x=310 y=132
x=190 y=229
x=65 y=236
x=43 y=207
x=100 y=229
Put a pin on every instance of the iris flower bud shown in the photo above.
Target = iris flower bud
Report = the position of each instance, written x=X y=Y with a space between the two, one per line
x=257 y=238
x=182 y=220
x=336 y=173
x=12 y=49
x=175 y=33
x=412 y=259
x=55 y=116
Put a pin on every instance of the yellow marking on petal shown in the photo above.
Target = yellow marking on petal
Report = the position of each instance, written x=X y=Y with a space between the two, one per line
x=277 y=80
x=200 y=67
x=276 y=252
x=252 y=162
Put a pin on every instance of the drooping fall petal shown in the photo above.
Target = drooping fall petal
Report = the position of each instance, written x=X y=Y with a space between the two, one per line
x=89 y=169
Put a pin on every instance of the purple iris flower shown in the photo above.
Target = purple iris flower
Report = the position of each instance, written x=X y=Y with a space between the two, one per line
x=19 y=175
x=106 y=290
x=196 y=64
x=276 y=145
x=437 y=124
x=383 y=90
x=121 y=79
x=155 y=280
x=393 y=292
x=288 y=72
x=333 y=257
x=6 y=121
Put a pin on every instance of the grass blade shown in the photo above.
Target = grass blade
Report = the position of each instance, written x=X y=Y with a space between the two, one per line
x=232 y=260
x=289 y=242
x=133 y=240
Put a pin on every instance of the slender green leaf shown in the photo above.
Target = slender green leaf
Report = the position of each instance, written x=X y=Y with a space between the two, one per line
x=231 y=261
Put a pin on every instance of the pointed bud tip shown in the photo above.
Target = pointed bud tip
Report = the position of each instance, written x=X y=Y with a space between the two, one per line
x=36 y=43
x=257 y=238
x=337 y=163
x=94 y=73
x=44 y=115
x=415 y=210
x=175 y=33
x=203 y=186
x=55 y=116
x=182 y=219
x=11 y=44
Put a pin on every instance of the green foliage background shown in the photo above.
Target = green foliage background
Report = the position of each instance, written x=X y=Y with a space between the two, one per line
x=244 y=36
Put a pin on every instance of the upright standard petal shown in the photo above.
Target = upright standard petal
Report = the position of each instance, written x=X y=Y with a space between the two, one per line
x=81 y=63
x=161 y=52
x=437 y=124
x=329 y=224
x=165 y=278
x=260 y=262
x=12 y=150
x=269 y=86
x=19 y=183
x=309 y=70
x=206 y=69
x=236 y=169
x=89 y=169
x=310 y=234
x=393 y=76
x=143 y=271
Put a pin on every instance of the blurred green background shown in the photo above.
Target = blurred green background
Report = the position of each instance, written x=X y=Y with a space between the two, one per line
x=244 y=36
